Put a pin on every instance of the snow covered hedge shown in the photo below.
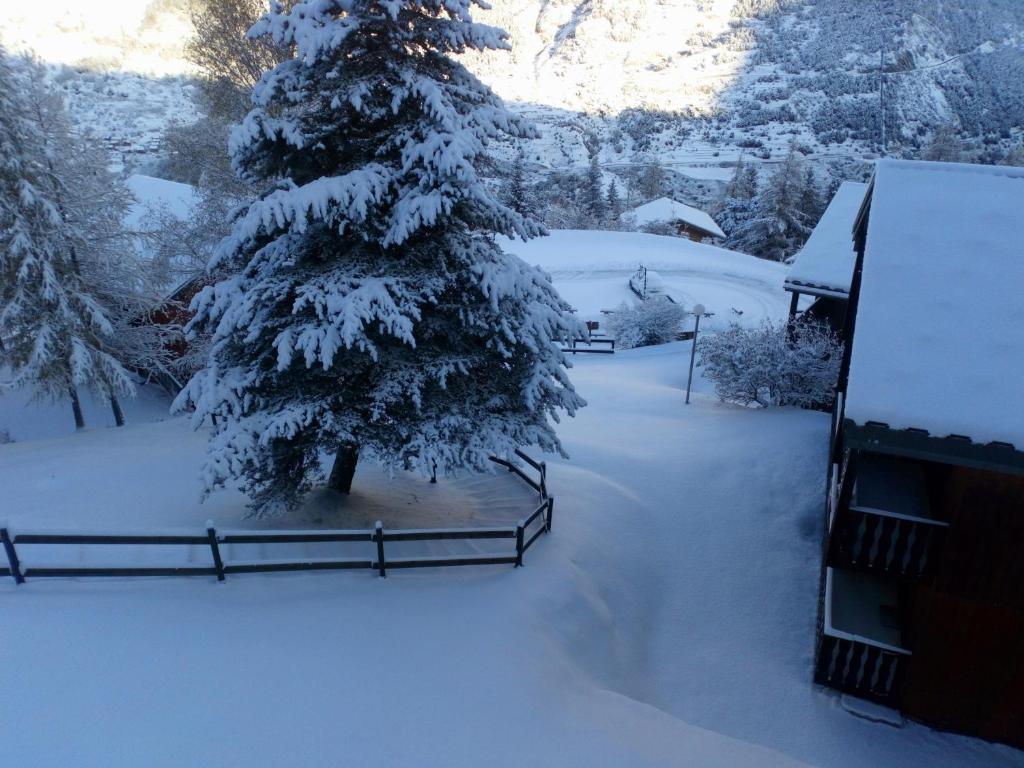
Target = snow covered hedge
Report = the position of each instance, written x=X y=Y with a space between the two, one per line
x=656 y=321
x=769 y=366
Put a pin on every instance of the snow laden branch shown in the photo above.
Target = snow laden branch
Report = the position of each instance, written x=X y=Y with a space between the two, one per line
x=366 y=310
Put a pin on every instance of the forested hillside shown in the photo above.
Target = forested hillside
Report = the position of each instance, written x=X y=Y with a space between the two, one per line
x=633 y=98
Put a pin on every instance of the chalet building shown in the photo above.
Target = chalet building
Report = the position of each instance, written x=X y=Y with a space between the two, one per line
x=922 y=583
x=684 y=220
x=174 y=311
x=823 y=268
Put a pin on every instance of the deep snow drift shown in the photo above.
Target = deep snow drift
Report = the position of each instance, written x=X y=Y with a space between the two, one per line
x=668 y=620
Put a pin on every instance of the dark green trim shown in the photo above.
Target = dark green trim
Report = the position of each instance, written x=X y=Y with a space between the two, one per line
x=918 y=444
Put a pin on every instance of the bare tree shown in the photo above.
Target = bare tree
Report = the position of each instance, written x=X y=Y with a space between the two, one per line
x=230 y=61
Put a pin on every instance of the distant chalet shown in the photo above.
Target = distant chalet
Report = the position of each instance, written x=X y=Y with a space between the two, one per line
x=686 y=220
x=922 y=581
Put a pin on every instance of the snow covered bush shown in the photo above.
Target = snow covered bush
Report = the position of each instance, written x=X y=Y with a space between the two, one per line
x=773 y=365
x=656 y=321
x=367 y=310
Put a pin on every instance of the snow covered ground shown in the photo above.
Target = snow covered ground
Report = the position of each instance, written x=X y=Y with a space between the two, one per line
x=669 y=619
x=591 y=270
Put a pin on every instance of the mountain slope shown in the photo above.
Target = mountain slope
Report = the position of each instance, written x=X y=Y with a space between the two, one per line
x=695 y=82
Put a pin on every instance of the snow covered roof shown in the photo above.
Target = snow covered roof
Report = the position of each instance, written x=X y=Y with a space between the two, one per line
x=667 y=209
x=824 y=266
x=151 y=192
x=939 y=344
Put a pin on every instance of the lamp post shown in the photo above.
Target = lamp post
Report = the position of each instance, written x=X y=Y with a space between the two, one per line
x=698 y=311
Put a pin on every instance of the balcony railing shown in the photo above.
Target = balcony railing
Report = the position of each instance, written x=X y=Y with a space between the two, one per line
x=861 y=669
x=885 y=542
x=857 y=654
x=881 y=520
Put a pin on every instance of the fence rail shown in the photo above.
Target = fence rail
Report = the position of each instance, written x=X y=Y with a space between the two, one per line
x=607 y=346
x=525 y=533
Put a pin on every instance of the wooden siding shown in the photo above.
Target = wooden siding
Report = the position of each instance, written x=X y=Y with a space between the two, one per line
x=967 y=672
x=967 y=625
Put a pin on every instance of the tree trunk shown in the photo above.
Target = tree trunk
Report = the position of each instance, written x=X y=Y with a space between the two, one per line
x=344 y=468
x=115 y=406
x=76 y=407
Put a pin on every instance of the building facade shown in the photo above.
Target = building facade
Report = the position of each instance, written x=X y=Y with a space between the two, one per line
x=922 y=578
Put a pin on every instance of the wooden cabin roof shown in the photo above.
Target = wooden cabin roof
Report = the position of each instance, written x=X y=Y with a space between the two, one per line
x=824 y=266
x=938 y=346
x=665 y=209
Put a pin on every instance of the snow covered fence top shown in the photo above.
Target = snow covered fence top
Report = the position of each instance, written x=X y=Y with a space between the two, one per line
x=665 y=209
x=939 y=340
x=825 y=264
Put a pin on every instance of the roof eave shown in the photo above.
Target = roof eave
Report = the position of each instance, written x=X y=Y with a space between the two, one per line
x=794 y=286
x=919 y=444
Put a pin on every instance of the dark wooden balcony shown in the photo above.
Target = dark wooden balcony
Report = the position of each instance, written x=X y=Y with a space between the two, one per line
x=860 y=649
x=885 y=524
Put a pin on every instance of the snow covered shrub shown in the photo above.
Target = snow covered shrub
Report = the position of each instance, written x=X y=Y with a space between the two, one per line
x=5 y=437
x=770 y=365
x=656 y=321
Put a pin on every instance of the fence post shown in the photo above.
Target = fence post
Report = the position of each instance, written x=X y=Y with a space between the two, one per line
x=519 y=546
x=551 y=508
x=378 y=536
x=12 y=557
x=544 y=479
x=211 y=535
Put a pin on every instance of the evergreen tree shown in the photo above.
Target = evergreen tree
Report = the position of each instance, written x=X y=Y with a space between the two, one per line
x=779 y=223
x=370 y=312
x=738 y=203
x=595 y=202
x=614 y=201
x=55 y=331
x=743 y=184
x=516 y=195
x=810 y=198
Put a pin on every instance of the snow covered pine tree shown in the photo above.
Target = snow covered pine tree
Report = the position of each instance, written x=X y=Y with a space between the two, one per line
x=55 y=332
x=371 y=312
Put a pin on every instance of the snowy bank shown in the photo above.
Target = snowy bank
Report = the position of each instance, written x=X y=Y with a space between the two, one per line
x=667 y=620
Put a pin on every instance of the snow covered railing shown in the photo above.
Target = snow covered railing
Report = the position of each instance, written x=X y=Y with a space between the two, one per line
x=218 y=546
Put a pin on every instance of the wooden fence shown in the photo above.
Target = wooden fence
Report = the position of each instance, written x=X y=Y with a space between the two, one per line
x=524 y=534
x=595 y=345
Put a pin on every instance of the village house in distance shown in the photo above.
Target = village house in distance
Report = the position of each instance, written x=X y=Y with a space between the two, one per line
x=823 y=268
x=922 y=583
x=684 y=220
